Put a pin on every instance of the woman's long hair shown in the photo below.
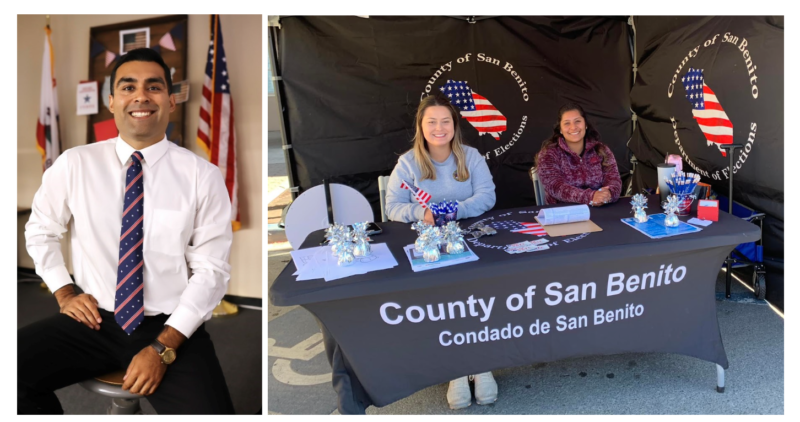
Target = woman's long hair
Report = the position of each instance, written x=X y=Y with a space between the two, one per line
x=591 y=132
x=421 y=154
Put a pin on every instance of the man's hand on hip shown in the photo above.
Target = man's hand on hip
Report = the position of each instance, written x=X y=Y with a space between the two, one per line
x=145 y=372
x=81 y=308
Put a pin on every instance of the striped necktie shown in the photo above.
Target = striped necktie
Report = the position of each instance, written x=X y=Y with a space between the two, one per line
x=129 y=298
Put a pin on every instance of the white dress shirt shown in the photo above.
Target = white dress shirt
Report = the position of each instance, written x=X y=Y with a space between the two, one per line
x=187 y=226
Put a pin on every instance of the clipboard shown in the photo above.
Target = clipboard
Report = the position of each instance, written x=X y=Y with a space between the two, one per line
x=568 y=229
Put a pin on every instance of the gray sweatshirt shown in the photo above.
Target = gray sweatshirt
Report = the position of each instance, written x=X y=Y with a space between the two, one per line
x=475 y=195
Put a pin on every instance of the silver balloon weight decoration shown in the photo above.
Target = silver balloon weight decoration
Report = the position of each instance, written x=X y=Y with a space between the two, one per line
x=671 y=211
x=639 y=203
x=360 y=240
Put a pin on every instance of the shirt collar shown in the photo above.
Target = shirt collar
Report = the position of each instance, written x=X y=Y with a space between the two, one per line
x=151 y=154
x=446 y=162
x=588 y=144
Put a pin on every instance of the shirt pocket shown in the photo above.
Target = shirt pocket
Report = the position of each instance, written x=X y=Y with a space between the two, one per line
x=170 y=231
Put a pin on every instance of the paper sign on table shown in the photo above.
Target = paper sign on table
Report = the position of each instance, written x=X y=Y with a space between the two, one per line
x=319 y=262
x=303 y=257
x=699 y=222
x=446 y=260
x=655 y=228
x=381 y=258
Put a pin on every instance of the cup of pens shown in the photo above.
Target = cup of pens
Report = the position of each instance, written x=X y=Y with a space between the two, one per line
x=682 y=185
x=443 y=212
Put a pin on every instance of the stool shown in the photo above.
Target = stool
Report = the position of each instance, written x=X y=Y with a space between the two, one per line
x=110 y=385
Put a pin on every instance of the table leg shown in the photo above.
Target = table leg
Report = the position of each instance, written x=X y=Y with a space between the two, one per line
x=728 y=275
x=720 y=379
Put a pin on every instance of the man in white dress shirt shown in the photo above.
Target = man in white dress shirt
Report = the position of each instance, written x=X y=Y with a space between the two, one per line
x=176 y=236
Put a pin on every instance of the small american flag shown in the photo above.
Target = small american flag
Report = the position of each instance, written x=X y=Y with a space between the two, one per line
x=420 y=195
x=134 y=41
x=519 y=227
x=706 y=109
x=478 y=110
x=215 y=130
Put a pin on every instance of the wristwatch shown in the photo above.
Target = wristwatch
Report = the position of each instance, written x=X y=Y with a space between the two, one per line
x=167 y=354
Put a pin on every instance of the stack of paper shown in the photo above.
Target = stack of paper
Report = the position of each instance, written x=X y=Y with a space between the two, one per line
x=566 y=221
x=319 y=262
x=563 y=215
x=419 y=264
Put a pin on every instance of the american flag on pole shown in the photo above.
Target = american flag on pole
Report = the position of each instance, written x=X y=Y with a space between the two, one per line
x=478 y=110
x=215 y=130
x=706 y=109
x=47 y=136
x=519 y=227
x=420 y=195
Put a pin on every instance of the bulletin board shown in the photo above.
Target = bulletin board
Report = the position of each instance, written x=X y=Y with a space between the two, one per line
x=166 y=35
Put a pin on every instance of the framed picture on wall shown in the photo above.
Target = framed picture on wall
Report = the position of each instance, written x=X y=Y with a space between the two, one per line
x=166 y=35
x=131 y=39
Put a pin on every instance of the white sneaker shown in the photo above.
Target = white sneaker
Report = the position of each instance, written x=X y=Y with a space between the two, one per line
x=458 y=394
x=485 y=388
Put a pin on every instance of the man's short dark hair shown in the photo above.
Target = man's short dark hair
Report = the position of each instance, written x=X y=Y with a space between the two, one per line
x=141 y=55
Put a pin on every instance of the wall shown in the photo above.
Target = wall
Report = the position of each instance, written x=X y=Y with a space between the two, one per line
x=243 y=48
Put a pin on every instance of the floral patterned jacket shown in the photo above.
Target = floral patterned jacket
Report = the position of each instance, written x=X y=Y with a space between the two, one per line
x=571 y=178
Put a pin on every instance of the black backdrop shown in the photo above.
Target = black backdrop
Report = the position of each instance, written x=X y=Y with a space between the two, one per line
x=351 y=87
x=717 y=46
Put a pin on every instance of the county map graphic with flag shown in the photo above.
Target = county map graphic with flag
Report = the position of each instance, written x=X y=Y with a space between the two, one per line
x=519 y=227
x=477 y=109
x=707 y=110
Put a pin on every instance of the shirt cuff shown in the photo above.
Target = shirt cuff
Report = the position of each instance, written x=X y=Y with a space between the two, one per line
x=419 y=213
x=184 y=320
x=56 y=278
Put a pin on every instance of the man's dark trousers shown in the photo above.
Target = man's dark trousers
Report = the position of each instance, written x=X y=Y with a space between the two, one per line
x=59 y=351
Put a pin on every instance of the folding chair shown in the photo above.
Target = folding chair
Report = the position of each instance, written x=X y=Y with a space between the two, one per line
x=383 y=181
x=538 y=187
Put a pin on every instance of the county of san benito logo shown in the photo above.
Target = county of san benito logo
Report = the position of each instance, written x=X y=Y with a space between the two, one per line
x=521 y=222
x=707 y=109
x=476 y=106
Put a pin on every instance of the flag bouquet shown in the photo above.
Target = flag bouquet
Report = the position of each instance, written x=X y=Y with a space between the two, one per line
x=681 y=183
x=443 y=212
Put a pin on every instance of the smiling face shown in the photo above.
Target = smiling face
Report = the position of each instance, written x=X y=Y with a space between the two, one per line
x=438 y=126
x=573 y=126
x=141 y=103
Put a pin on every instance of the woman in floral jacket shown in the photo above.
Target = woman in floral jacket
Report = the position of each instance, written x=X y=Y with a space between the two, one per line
x=574 y=166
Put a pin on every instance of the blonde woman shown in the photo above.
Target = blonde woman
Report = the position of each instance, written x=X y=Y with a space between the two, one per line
x=441 y=165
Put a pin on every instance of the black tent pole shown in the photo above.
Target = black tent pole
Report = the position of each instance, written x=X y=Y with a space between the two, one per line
x=285 y=139
x=730 y=149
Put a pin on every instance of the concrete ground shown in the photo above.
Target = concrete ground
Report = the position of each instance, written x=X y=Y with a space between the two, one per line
x=639 y=383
